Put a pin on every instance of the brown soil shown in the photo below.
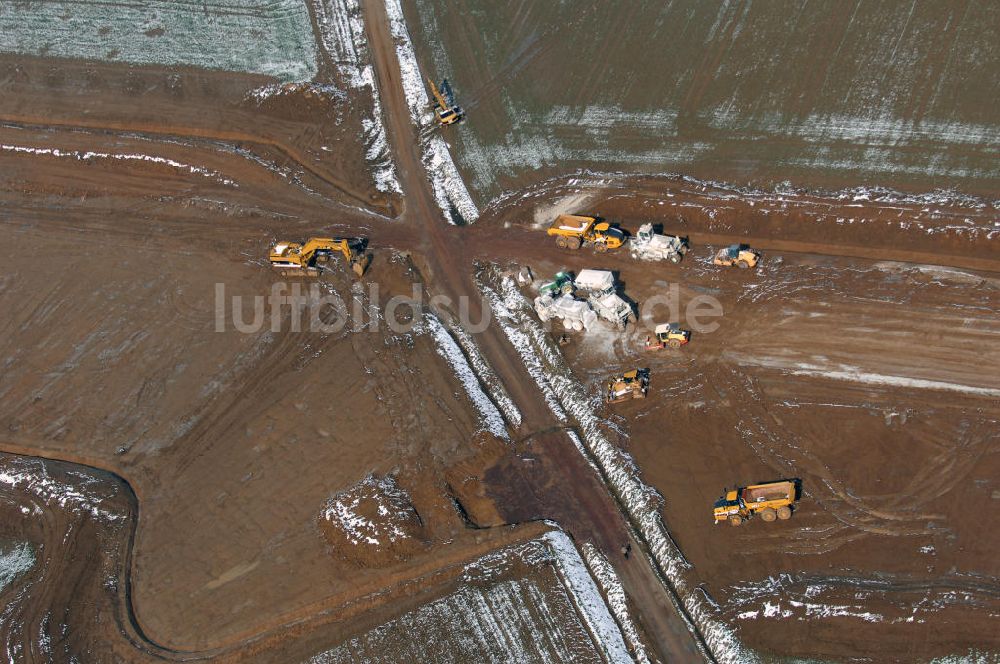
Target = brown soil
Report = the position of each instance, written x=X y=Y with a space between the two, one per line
x=220 y=450
x=888 y=470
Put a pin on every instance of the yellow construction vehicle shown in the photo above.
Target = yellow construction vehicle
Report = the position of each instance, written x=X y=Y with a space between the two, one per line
x=772 y=500
x=295 y=259
x=629 y=385
x=445 y=109
x=668 y=335
x=573 y=231
x=740 y=255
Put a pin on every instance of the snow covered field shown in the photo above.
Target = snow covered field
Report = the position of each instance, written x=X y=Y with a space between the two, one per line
x=532 y=602
x=273 y=38
x=823 y=94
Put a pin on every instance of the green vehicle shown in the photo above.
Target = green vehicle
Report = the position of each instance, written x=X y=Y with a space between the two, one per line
x=562 y=284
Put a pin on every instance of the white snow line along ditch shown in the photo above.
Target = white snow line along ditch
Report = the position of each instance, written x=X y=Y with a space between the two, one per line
x=488 y=377
x=88 y=156
x=449 y=349
x=855 y=374
x=584 y=592
x=566 y=397
x=450 y=192
x=608 y=580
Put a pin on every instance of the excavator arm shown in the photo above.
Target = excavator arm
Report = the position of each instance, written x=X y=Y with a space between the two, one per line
x=446 y=111
x=291 y=255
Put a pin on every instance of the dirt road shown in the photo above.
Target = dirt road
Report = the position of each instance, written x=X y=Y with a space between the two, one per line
x=591 y=513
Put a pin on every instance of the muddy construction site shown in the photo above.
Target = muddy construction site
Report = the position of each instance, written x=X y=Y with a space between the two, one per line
x=204 y=458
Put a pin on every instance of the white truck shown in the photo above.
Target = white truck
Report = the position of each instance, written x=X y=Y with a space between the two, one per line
x=599 y=287
x=650 y=246
x=575 y=314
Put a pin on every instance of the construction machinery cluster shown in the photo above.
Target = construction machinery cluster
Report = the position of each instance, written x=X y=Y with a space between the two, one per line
x=580 y=302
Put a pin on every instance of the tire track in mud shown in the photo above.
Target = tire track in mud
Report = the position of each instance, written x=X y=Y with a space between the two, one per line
x=894 y=515
x=773 y=443
x=226 y=141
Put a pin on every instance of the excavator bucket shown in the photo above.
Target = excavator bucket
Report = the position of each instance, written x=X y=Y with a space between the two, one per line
x=360 y=264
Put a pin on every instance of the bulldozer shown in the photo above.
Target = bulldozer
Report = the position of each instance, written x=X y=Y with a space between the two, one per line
x=651 y=246
x=629 y=385
x=740 y=255
x=295 y=259
x=574 y=231
x=667 y=335
x=770 y=501
x=445 y=109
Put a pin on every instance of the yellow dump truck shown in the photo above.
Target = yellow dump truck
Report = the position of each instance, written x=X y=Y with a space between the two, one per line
x=574 y=231
x=772 y=500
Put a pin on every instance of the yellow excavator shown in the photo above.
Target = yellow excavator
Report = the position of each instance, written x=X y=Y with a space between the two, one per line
x=445 y=110
x=295 y=259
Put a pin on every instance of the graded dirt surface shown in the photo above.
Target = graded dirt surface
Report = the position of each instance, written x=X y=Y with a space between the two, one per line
x=873 y=382
x=190 y=494
x=825 y=95
x=244 y=433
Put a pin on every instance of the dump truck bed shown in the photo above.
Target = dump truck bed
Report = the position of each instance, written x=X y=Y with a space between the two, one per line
x=570 y=223
x=594 y=280
x=771 y=491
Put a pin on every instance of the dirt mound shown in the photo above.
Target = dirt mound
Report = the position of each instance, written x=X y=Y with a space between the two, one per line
x=373 y=524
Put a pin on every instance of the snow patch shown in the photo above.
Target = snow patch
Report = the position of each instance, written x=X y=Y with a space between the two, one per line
x=32 y=477
x=344 y=511
x=487 y=377
x=14 y=561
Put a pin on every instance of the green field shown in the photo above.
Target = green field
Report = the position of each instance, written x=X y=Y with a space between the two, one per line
x=822 y=94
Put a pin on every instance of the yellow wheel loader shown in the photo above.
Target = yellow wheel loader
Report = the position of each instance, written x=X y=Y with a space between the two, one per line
x=295 y=259
x=770 y=501
x=668 y=335
x=575 y=231
x=445 y=109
